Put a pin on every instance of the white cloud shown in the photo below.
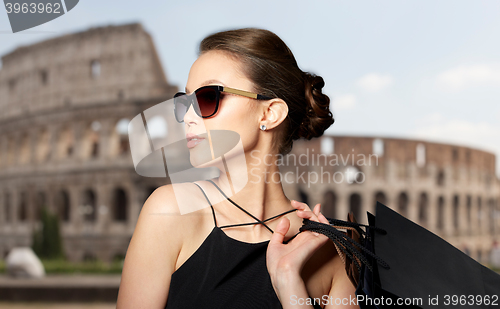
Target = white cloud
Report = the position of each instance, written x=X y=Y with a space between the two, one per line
x=344 y=102
x=481 y=135
x=375 y=82
x=463 y=132
x=469 y=75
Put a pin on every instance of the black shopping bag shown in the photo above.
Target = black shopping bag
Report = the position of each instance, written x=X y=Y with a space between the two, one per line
x=425 y=266
x=422 y=270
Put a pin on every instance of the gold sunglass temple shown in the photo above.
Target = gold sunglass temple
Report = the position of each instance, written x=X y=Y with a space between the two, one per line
x=245 y=93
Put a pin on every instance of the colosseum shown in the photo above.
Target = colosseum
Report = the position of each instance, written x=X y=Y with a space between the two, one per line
x=451 y=190
x=65 y=107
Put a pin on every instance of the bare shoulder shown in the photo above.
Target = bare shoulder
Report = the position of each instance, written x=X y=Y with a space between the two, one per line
x=152 y=253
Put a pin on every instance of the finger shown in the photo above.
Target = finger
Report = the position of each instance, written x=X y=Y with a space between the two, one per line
x=280 y=231
x=323 y=219
x=317 y=209
x=307 y=215
x=317 y=212
x=312 y=215
x=300 y=206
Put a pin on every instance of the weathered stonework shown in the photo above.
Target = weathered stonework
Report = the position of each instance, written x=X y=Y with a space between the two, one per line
x=451 y=190
x=61 y=102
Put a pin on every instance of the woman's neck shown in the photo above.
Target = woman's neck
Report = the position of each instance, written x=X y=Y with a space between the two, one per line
x=260 y=192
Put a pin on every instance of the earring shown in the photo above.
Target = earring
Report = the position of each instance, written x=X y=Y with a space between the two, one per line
x=263 y=127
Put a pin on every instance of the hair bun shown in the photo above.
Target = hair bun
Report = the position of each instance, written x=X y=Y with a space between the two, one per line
x=317 y=116
x=317 y=82
x=271 y=67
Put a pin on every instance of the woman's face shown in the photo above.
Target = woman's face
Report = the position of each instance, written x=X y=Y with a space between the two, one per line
x=235 y=114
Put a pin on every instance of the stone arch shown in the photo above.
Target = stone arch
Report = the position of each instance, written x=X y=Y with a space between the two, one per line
x=469 y=211
x=420 y=155
x=423 y=209
x=121 y=94
x=378 y=147
x=119 y=138
x=90 y=144
x=491 y=215
x=329 y=206
x=120 y=205
x=327 y=145
x=43 y=147
x=3 y=152
x=44 y=77
x=7 y=207
x=11 y=151
x=304 y=197
x=497 y=212
x=40 y=203
x=24 y=149
x=454 y=154
x=403 y=204
x=89 y=206
x=456 y=211
x=63 y=205
x=440 y=213
x=23 y=207
x=95 y=68
x=380 y=197
x=440 y=178
x=65 y=145
x=479 y=212
x=158 y=128
x=355 y=205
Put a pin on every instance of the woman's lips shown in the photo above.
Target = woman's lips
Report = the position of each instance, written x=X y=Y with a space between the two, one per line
x=194 y=139
x=193 y=142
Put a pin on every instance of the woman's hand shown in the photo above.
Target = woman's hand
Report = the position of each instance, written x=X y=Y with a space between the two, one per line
x=285 y=261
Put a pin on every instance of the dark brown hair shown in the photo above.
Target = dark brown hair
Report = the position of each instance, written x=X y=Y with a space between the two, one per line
x=270 y=65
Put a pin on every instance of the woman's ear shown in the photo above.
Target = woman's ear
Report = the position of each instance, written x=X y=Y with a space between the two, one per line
x=274 y=112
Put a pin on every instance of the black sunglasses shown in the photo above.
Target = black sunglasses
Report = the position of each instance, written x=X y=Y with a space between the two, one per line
x=207 y=98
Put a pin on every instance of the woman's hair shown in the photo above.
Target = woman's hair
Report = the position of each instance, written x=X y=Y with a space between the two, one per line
x=270 y=65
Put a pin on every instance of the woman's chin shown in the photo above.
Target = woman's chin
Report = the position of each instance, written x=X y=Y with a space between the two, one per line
x=195 y=162
x=200 y=156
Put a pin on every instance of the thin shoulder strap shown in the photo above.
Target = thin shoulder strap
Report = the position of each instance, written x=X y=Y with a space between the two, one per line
x=250 y=223
x=258 y=220
x=213 y=212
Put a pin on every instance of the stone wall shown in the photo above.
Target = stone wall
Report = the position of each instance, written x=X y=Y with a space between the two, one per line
x=449 y=189
x=65 y=104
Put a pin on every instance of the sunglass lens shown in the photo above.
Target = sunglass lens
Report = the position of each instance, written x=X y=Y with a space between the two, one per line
x=181 y=104
x=207 y=101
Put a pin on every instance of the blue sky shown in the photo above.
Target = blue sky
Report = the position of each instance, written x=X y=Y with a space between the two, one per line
x=412 y=69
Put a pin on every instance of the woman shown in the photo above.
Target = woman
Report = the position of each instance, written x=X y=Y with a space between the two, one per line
x=188 y=261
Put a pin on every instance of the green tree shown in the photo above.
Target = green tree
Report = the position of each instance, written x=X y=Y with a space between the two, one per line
x=47 y=242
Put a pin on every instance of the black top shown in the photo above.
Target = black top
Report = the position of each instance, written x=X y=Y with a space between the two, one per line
x=224 y=273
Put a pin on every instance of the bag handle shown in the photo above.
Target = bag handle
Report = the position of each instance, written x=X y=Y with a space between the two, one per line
x=349 y=244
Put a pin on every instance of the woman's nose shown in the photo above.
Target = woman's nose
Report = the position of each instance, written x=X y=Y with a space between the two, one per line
x=191 y=115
